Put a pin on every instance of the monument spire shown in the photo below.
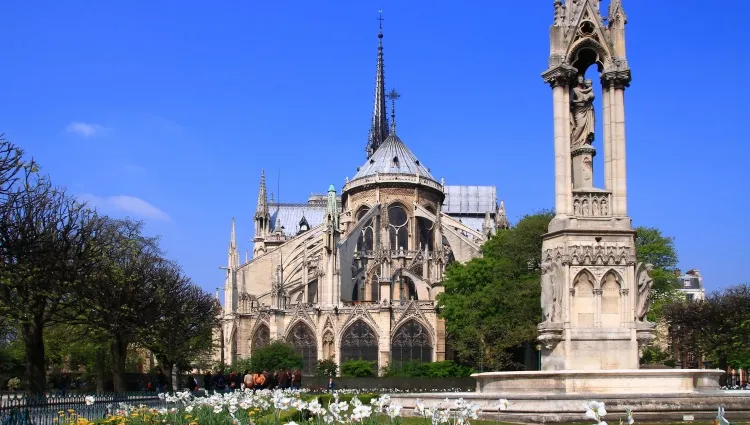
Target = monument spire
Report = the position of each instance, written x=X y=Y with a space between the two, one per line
x=393 y=96
x=379 y=126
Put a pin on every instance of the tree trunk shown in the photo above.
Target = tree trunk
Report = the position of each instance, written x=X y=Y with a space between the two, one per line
x=168 y=370
x=33 y=337
x=101 y=369
x=119 y=356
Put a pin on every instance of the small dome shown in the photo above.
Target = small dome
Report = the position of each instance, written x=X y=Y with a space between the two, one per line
x=331 y=188
x=393 y=157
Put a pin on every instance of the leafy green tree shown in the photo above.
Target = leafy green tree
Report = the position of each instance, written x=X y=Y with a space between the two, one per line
x=325 y=369
x=491 y=304
x=183 y=330
x=47 y=243
x=358 y=368
x=122 y=297
x=275 y=356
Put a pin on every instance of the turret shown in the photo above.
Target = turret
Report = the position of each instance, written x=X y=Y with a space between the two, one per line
x=262 y=218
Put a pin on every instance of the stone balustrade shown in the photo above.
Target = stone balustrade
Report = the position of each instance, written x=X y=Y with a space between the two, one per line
x=393 y=178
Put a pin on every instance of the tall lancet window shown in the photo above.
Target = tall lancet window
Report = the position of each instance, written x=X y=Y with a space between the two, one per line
x=398 y=230
x=366 y=240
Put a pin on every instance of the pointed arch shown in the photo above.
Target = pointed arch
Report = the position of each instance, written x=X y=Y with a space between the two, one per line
x=583 y=306
x=359 y=341
x=611 y=303
x=261 y=337
x=302 y=338
x=411 y=341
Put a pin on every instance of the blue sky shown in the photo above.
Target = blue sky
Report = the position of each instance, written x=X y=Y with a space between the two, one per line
x=167 y=111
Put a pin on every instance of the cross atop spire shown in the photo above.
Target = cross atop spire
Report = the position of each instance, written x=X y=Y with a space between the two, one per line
x=379 y=126
x=393 y=96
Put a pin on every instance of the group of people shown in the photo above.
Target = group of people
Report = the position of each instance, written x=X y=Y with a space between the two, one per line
x=281 y=379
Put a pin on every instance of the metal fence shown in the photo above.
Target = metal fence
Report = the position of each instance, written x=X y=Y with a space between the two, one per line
x=46 y=410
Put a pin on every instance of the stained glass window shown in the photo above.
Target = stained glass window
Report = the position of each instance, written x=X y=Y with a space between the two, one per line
x=366 y=240
x=359 y=342
x=411 y=342
x=302 y=339
x=261 y=338
x=397 y=227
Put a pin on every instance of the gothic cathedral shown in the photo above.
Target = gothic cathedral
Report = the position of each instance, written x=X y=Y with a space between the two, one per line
x=355 y=275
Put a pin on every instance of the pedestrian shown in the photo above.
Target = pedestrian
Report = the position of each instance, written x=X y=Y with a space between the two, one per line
x=331 y=385
x=248 y=380
x=297 y=380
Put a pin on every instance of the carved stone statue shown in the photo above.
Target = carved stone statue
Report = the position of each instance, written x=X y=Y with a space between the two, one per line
x=547 y=290
x=645 y=285
x=582 y=113
x=559 y=12
x=551 y=292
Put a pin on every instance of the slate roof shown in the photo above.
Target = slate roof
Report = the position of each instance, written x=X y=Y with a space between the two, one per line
x=393 y=157
x=465 y=203
x=470 y=200
x=291 y=214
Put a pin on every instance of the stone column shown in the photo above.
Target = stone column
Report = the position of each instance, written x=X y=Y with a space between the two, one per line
x=559 y=79
x=614 y=83
x=607 y=137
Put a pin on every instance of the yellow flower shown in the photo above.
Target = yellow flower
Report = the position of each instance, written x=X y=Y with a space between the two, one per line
x=71 y=411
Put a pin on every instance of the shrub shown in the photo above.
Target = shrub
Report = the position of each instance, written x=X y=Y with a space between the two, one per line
x=274 y=356
x=417 y=369
x=358 y=368
x=325 y=369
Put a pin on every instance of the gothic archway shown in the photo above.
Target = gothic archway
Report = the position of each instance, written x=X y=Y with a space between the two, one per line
x=261 y=337
x=359 y=341
x=302 y=339
x=411 y=342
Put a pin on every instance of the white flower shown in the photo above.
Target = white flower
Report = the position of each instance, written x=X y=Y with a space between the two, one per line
x=218 y=408
x=291 y=423
x=89 y=400
x=595 y=410
x=503 y=404
x=189 y=409
x=232 y=408
x=394 y=410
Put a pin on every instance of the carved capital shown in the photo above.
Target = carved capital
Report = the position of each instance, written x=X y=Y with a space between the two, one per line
x=618 y=79
x=624 y=291
x=560 y=75
x=597 y=291
x=572 y=292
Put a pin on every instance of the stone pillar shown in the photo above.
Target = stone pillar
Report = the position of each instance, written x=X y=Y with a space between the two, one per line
x=583 y=167
x=614 y=84
x=559 y=79
x=607 y=137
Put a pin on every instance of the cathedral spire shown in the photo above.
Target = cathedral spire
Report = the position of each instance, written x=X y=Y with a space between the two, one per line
x=262 y=207
x=379 y=126
x=233 y=256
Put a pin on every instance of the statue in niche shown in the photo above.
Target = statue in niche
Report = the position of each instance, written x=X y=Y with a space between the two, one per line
x=604 y=208
x=551 y=292
x=645 y=285
x=547 y=291
x=585 y=207
x=582 y=113
x=576 y=207
x=595 y=208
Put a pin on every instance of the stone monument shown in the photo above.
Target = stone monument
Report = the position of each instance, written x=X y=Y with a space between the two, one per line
x=594 y=294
